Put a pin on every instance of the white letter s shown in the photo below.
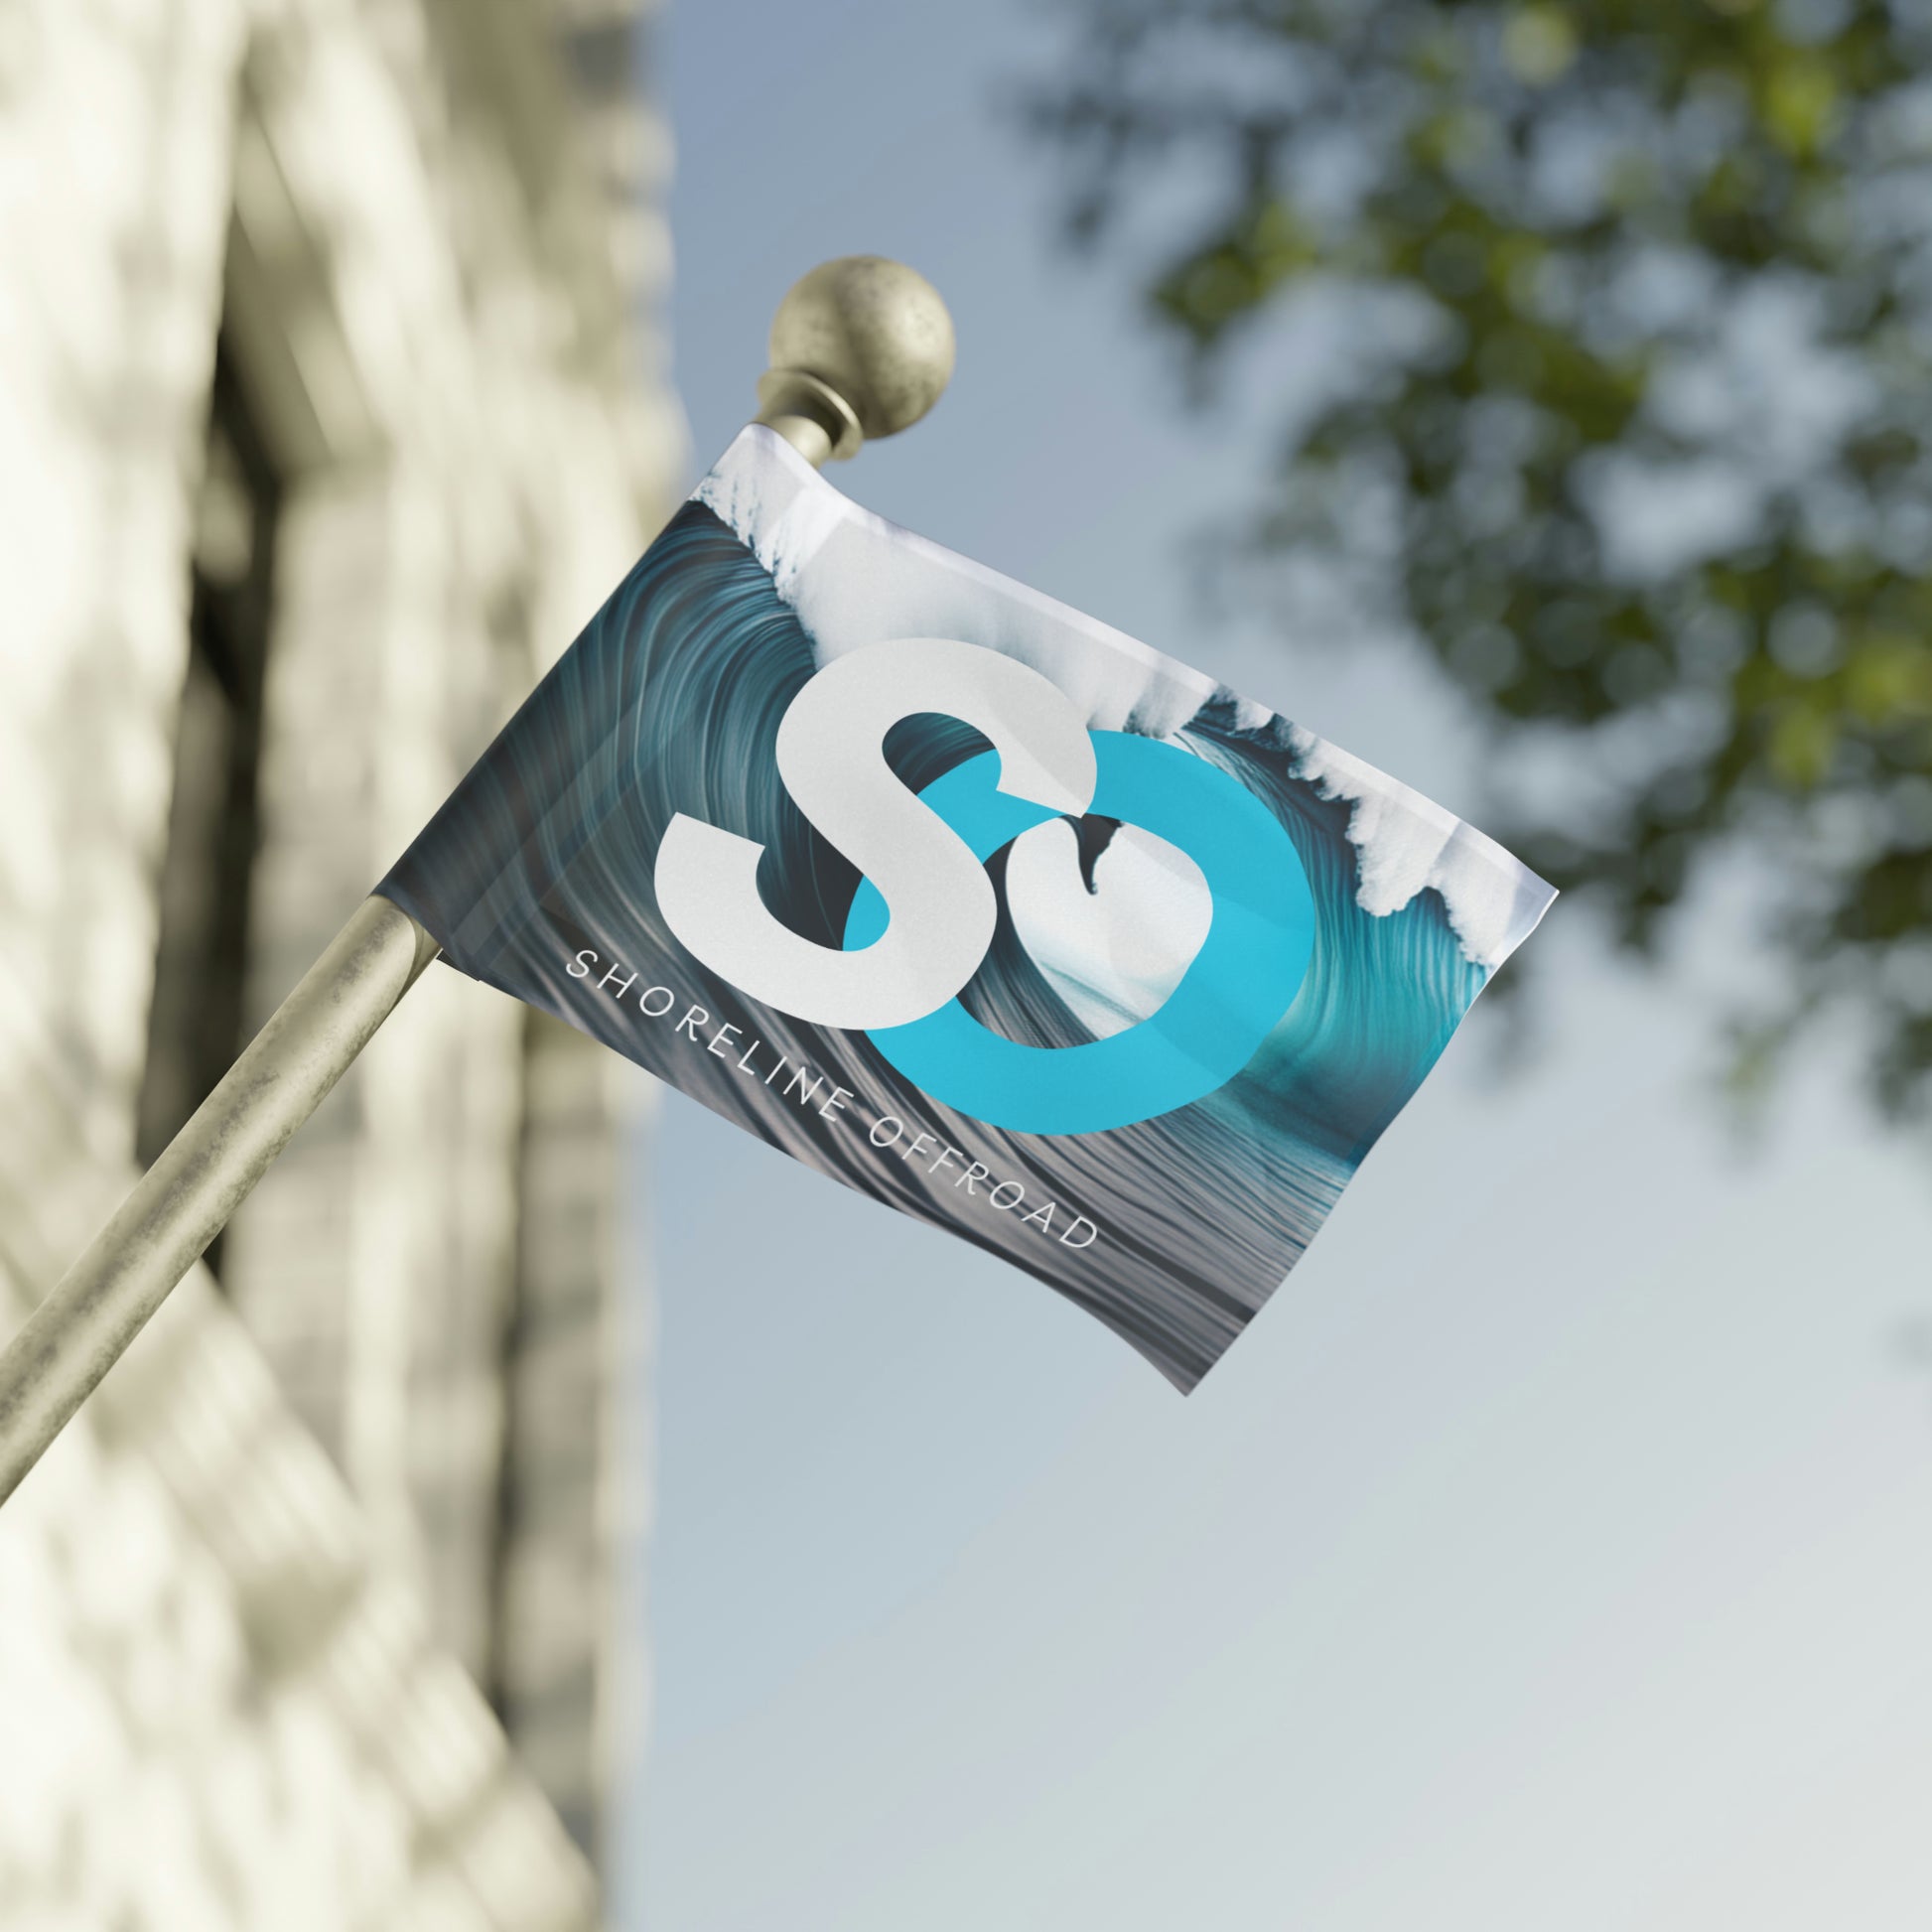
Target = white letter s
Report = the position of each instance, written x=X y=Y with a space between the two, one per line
x=831 y=758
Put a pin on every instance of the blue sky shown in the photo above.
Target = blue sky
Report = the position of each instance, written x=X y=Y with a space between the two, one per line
x=1555 y=1549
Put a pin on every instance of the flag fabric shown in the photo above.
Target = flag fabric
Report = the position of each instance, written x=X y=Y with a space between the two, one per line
x=970 y=901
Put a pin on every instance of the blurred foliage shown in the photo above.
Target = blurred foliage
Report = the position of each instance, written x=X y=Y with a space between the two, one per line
x=1630 y=309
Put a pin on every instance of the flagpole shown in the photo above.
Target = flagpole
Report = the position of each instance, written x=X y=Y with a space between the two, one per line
x=861 y=347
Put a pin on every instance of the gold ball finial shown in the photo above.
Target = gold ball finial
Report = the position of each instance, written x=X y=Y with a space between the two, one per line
x=861 y=347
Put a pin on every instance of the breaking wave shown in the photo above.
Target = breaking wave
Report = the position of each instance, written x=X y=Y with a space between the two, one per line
x=671 y=702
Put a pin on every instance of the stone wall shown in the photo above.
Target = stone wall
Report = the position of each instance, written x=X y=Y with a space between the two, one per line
x=221 y=1714
x=257 y=1610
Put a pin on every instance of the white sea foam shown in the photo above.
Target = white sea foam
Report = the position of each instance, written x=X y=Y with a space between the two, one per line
x=854 y=579
x=1406 y=844
x=868 y=580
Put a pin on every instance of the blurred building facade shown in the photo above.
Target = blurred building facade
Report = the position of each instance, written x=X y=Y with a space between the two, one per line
x=330 y=407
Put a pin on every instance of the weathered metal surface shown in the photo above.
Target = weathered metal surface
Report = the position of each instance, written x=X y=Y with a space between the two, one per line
x=185 y=1200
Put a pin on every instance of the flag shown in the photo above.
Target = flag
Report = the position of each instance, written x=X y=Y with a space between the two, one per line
x=970 y=901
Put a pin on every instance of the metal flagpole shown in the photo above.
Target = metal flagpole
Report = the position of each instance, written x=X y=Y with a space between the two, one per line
x=861 y=347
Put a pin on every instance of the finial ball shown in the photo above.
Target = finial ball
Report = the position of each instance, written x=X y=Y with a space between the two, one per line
x=873 y=330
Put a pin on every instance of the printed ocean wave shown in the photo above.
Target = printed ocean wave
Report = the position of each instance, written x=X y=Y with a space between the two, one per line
x=853 y=578
x=670 y=702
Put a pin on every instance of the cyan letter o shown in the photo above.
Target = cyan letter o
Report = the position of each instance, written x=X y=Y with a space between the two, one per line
x=1244 y=978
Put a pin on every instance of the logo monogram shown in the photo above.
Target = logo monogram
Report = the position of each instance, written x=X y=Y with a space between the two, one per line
x=924 y=914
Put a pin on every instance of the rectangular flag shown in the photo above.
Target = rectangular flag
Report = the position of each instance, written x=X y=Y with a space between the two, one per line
x=970 y=901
